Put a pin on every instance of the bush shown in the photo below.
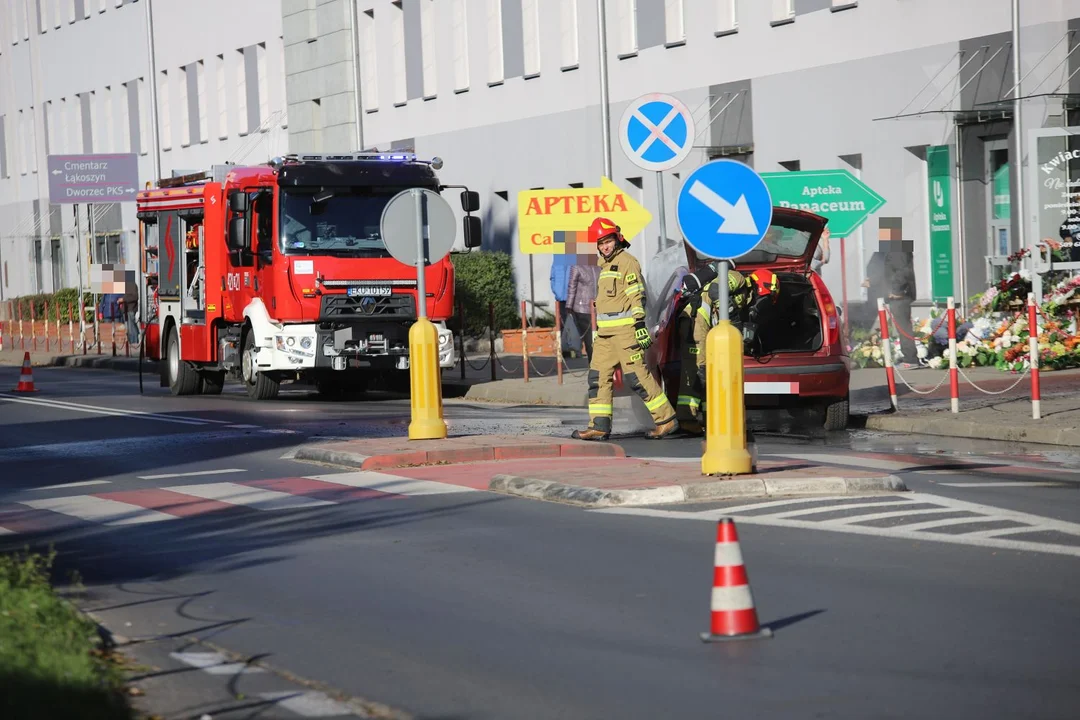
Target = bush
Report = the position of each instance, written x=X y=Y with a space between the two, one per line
x=49 y=665
x=60 y=301
x=482 y=278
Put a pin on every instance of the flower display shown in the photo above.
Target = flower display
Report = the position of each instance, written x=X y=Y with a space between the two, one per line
x=999 y=335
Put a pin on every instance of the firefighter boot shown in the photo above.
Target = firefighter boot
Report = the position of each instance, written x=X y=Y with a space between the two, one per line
x=662 y=430
x=599 y=429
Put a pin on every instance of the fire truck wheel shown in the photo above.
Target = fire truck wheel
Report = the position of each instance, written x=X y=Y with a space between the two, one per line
x=183 y=379
x=213 y=382
x=257 y=384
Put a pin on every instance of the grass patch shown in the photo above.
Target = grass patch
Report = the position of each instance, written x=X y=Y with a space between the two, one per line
x=51 y=665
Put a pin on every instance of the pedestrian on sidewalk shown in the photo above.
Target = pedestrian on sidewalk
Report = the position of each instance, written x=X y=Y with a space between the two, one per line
x=560 y=276
x=821 y=254
x=130 y=307
x=580 y=295
x=622 y=337
x=900 y=281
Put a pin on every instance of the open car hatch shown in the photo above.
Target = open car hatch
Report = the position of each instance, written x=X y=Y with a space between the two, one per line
x=789 y=243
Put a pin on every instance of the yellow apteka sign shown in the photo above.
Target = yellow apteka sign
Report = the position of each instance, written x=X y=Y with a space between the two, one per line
x=555 y=221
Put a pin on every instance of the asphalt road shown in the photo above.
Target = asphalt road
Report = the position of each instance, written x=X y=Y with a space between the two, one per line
x=474 y=605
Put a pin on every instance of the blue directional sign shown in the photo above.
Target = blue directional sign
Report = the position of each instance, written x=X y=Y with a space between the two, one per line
x=657 y=132
x=724 y=209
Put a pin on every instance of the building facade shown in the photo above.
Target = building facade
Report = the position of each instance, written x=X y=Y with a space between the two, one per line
x=76 y=77
x=508 y=93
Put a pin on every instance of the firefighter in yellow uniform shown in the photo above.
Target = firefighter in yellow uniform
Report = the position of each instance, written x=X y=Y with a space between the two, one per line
x=696 y=319
x=621 y=338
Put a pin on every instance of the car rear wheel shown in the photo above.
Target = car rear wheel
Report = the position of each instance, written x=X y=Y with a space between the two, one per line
x=836 y=415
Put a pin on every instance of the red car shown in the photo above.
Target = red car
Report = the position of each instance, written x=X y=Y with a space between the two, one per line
x=801 y=343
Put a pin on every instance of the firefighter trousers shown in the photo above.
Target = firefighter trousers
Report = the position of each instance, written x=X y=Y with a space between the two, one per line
x=612 y=351
x=692 y=331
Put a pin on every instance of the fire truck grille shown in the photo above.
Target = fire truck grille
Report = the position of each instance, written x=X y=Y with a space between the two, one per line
x=385 y=308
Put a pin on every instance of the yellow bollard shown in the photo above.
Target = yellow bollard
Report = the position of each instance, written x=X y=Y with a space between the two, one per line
x=425 y=382
x=725 y=418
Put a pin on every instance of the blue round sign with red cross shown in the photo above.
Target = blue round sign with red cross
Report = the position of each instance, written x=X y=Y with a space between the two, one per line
x=656 y=132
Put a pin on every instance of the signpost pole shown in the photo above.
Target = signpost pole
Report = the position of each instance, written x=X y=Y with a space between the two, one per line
x=79 y=263
x=661 y=214
x=90 y=254
x=425 y=380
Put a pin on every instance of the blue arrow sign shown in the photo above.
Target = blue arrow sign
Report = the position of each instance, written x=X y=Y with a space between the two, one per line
x=724 y=209
x=657 y=132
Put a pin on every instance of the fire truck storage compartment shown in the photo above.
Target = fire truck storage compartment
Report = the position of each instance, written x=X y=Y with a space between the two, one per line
x=794 y=325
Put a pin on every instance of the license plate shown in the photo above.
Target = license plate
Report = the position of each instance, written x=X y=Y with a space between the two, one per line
x=370 y=291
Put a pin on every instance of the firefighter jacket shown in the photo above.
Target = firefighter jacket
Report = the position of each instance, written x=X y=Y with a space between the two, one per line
x=620 y=294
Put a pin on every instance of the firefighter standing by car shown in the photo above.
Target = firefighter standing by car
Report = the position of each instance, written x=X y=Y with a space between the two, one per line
x=750 y=299
x=621 y=338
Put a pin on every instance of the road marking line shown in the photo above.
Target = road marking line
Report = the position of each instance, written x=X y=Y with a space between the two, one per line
x=5 y=531
x=996 y=532
x=906 y=534
x=836 y=508
x=391 y=483
x=946 y=522
x=886 y=515
x=776 y=503
x=247 y=496
x=99 y=510
x=191 y=474
x=215 y=663
x=83 y=483
x=243 y=427
x=1005 y=484
x=308 y=704
x=873 y=463
x=111 y=412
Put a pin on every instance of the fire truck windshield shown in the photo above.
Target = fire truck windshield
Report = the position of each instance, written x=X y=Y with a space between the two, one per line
x=334 y=221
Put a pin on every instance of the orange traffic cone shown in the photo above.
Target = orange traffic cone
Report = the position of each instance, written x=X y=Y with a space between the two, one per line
x=733 y=613
x=26 y=378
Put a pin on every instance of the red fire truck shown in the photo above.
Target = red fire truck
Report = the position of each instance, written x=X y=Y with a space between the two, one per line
x=277 y=272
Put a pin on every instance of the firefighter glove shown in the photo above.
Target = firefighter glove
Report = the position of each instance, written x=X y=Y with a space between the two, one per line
x=641 y=334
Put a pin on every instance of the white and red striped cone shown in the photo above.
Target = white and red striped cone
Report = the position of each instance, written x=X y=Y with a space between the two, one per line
x=26 y=377
x=733 y=614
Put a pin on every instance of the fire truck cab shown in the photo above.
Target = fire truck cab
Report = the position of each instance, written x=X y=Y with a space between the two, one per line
x=278 y=272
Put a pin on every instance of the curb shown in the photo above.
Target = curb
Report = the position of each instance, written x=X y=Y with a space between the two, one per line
x=921 y=425
x=718 y=490
x=455 y=456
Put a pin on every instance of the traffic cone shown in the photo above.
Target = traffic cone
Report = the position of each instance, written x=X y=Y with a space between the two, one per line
x=26 y=378
x=733 y=613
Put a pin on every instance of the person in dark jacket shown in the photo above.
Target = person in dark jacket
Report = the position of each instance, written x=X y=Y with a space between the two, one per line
x=899 y=272
x=580 y=294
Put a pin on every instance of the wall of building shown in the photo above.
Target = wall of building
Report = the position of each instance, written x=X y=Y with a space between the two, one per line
x=82 y=80
x=507 y=93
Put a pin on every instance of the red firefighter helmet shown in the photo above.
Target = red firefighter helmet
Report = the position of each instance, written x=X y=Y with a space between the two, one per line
x=602 y=228
x=764 y=282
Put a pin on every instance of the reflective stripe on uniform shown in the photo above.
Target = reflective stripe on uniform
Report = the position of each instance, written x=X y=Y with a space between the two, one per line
x=599 y=409
x=705 y=312
x=657 y=402
x=634 y=289
x=689 y=400
x=610 y=274
x=617 y=322
x=637 y=311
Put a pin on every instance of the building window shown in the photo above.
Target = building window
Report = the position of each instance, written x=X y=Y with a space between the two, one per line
x=164 y=111
x=783 y=11
x=262 y=83
x=568 y=29
x=626 y=26
x=280 y=44
x=397 y=52
x=459 y=21
x=134 y=116
x=674 y=22
x=143 y=105
x=49 y=119
x=369 y=52
x=42 y=16
x=244 y=121
x=184 y=100
x=123 y=131
x=87 y=11
x=222 y=98
x=530 y=29
x=200 y=98
x=3 y=147
x=63 y=127
x=427 y=48
x=495 y=42
x=844 y=4
x=24 y=143
x=727 y=17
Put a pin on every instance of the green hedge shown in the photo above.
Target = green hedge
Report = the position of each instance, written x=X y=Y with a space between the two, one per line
x=482 y=278
x=62 y=300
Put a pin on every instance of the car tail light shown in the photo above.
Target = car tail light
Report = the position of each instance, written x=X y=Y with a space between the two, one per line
x=831 y=319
